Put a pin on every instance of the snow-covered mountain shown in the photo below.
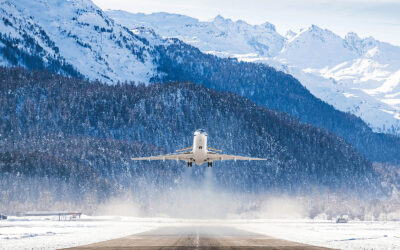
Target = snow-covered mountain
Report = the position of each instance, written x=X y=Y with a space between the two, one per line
x=217 y=36
x=71 y=36
x=98 y=122
x=360 y=76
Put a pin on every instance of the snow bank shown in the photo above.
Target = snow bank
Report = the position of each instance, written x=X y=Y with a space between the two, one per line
x=352 y=235
x=49 y=233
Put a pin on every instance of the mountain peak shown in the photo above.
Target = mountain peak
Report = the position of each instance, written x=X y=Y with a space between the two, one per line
x=268 y=26
x=221 y=19
x=290 y=34
x=316 y=32
x=314 y=27
x=358 y=44
x=354 y=42
x=352 y=36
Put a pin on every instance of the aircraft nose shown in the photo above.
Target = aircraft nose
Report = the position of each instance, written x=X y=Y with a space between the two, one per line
x=200 y=132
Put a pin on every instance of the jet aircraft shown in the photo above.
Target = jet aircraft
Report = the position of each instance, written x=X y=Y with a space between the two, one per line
x=199 y=153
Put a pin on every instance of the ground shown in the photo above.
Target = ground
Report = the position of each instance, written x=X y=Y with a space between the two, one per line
x=49 y=233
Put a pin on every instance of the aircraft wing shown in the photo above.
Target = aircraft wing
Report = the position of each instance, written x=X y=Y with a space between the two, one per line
x=187 y=156
x=212 y=156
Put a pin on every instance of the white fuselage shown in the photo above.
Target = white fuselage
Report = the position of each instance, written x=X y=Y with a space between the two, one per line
x=200 y=148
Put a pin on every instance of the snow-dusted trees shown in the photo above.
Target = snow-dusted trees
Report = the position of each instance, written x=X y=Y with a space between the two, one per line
x=275 y=90
x=77 y=137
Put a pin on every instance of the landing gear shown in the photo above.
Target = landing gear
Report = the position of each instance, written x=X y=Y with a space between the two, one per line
x=209 y=164
x=190 y=164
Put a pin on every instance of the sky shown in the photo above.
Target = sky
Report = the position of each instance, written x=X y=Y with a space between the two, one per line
x=377 y=18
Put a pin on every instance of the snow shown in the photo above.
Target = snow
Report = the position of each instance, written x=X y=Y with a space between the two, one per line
x=389 y=85
x=328 y=65
x=352 y=235
x=367 y=70
x=308 y=49
x=49 y=233
x=216 y=35
x=86 y=38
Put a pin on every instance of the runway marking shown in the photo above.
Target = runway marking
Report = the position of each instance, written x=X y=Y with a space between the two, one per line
x=197 y=239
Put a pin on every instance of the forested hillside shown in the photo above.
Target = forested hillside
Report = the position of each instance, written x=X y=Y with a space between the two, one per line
x=275 y=90
x=81 y=135
x=89 y=45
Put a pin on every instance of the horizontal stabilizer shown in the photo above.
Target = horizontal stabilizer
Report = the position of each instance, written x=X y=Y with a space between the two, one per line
x=214 y=149
x=184 y=149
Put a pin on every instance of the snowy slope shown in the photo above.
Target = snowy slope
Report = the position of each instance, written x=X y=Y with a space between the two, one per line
x=360 y=76
x=19 y=33
x=78 y=33
x=355 y=75
x=216 y=36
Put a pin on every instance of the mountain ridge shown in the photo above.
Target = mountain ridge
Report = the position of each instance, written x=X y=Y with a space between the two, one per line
x=174 y=60
x=350 y=73
x=275 y=90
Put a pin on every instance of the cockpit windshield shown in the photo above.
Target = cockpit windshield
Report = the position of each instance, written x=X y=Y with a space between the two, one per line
x=200 y=132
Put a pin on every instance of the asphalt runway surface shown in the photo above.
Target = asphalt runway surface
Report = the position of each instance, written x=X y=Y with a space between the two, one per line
x=197 y=237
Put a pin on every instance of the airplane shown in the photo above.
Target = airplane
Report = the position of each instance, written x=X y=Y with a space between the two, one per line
x=199 y=153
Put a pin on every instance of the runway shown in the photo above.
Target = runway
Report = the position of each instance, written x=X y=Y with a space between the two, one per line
x=197 y=237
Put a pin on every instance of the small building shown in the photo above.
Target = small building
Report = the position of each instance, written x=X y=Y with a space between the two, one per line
x=62 y=215
x=342 y=219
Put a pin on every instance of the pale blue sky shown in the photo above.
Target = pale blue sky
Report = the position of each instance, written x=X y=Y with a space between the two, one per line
x=378 y=18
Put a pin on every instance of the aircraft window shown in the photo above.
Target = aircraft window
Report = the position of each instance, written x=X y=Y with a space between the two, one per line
x=200 y=147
